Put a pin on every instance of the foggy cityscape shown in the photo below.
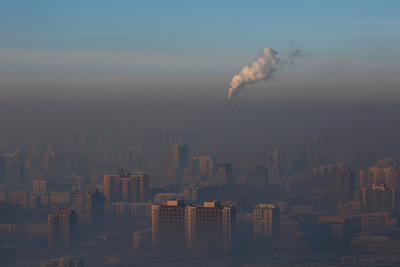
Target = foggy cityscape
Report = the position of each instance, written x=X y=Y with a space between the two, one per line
x=181 y=133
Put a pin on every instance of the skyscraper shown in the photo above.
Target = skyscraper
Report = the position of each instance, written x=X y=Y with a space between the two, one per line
x=62 y=227
x=126 y=186
x=266 y=218
x=341 y=186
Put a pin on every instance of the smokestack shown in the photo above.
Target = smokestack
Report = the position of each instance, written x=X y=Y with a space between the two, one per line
x=261 y=69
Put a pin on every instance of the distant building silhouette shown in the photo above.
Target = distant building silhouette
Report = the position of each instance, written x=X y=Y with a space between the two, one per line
x=89 y=206
x=177 y=157
x=349 y=207
x=223 y=173
x=70 y=261
x=126 y=186
x=256 y=178
x=341 y=186
x=14 y=172
x=379 y=221
x=205 y=167
x=62 y=227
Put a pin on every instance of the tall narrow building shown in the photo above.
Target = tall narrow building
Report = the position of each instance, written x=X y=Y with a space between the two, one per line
x=14 y=168
x=177 y=157
x=341 y=186
x=266 y=218
x=62 y=227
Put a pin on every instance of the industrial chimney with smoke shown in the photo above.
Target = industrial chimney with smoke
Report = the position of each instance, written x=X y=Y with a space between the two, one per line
x=262 y=68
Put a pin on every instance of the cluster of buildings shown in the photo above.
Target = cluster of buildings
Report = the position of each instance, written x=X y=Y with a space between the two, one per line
x=163 y=202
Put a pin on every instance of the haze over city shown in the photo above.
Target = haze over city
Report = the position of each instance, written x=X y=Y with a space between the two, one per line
x=209 y=133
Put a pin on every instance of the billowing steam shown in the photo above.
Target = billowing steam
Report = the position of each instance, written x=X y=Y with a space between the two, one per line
x=262 y=68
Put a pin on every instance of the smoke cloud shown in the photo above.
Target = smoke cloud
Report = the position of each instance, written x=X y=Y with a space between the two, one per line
x=262 y=68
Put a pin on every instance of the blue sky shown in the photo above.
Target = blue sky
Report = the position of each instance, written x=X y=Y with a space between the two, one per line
x=188 y=37
x=193 y=26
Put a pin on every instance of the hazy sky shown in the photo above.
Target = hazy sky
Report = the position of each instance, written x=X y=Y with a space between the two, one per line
x=194 y=48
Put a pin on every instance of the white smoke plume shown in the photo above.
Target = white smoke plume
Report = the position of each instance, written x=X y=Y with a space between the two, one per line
x=261 y=69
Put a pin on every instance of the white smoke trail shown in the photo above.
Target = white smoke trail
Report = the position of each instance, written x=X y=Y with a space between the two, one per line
x=261 y=69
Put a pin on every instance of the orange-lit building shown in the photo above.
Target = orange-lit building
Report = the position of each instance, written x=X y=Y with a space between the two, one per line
x=199 y=228
x=266 y=220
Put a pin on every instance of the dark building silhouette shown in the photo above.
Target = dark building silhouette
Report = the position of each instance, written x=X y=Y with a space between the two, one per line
x=62 y=229
x=341 y=186
x=379 y=198
x=89 y=206
x=177 y=158
x=223 y=174
x=256 y=178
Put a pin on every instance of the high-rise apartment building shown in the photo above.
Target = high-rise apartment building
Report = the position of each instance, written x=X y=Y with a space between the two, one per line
x=199 y=228
x=126 y=186
x=256 y=178
x=379 y=198
x=341 y=186
x=266 y=218
x=205 y=167
x=89 y=206
x=375 y=175
x=62 y=227
x=384 y=172
x=168 y=224
x=209 y=227
x=223 y=173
